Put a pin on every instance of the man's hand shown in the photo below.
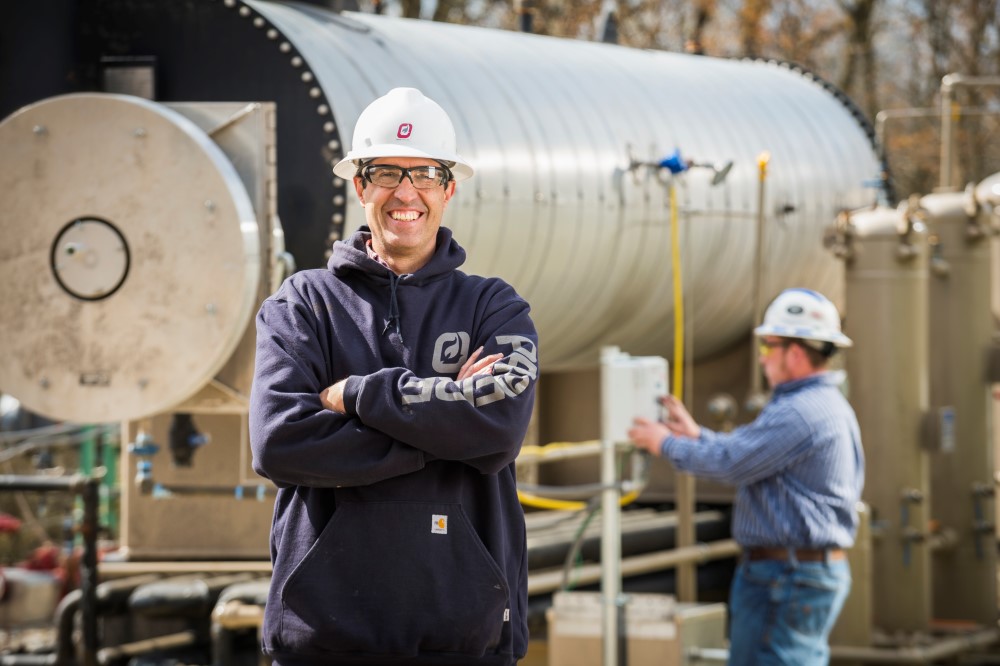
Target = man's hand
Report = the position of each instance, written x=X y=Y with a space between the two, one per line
x=678 y=419
x=648 y=434
x=332 y=397
x=483 y=366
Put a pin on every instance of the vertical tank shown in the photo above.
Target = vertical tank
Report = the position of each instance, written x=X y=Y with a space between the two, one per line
x=961 y=329
x=887 y=306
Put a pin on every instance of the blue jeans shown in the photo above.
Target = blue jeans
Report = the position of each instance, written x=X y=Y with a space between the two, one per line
x=781 y=612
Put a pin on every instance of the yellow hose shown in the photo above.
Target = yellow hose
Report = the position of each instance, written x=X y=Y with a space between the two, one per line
x=675 y=250
x=527 y=499
x=565 y=505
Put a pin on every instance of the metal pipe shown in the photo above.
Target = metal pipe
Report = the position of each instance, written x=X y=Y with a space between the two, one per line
x=610 y=552
x=227 y=618
x=180 y=639
x=65 y=620
x=755 y=401
x=885 y=115
x=550 y=581
x=27 y=660
x=900 y=655
x=239 y=492
x=948 y=83
x=88 y=571
x=941 y=649
x=696 y=655
x=117 y=569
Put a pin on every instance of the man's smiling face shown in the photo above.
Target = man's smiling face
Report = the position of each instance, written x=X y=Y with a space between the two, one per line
x=404 y=220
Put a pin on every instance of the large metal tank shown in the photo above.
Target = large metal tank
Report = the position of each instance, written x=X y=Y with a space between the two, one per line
x=887 y=294
x=961 y=332
x=551 y=125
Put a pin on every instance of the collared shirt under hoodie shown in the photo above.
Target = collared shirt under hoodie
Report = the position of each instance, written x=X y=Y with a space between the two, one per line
x=397 y=533
x=799 y=467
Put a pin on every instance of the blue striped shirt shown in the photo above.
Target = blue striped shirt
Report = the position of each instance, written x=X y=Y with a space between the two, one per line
x=798 y=468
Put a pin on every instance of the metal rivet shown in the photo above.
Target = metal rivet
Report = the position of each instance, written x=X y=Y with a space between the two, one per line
x=338 y=182
x=315 y=92
x=244 y=11
x=40 y=129
x=334 y=145
x=272 y=34
x=230 y=3
x=307 y=77
x=338 y=218
x=297 y=61
x=322 y=109
x=284 y=47
x=328 y=127
x=258 y=22
x=338 y=200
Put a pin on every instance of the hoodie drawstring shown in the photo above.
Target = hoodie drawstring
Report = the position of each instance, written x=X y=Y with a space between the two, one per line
x=393 y=306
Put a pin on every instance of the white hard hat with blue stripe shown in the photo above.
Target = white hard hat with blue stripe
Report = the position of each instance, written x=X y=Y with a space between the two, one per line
x=805 y=314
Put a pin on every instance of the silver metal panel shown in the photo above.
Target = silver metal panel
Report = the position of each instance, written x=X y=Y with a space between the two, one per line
x=100 y=176
x=549 y=125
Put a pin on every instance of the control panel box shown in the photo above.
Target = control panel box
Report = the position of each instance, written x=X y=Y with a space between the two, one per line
x=631 y=386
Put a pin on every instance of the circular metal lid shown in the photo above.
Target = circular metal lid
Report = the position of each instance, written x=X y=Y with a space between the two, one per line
x=130 y=263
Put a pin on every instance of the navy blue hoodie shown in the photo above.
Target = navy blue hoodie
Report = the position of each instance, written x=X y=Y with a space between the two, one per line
x=397 y=533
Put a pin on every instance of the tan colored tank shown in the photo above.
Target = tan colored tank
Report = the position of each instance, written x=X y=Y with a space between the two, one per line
x=889 y=388
x=961 y=330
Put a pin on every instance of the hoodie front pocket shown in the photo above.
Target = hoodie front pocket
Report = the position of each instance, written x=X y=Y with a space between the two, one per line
x=399 y=578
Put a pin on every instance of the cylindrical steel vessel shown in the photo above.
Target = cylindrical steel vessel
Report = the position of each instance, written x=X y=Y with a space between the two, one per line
x=887 y=301
x=961 y=330
x=552 y=125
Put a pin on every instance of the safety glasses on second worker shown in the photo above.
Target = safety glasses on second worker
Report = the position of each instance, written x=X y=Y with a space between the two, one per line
x=390 y=175
x=767 y=345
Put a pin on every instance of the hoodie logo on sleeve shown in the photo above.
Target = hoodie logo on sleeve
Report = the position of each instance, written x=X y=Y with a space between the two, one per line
x=439 y=524
x=450 y=352
x=510 y=376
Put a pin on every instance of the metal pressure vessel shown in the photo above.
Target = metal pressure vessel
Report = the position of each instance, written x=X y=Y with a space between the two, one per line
x=887 y=304
x=961 y=331
x=566 y=203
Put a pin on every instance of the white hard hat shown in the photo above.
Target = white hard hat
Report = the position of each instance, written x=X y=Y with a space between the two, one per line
x=805 y=314
x=403 y=123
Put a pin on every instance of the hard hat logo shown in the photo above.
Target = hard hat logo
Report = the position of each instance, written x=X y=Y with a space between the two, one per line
x=404 y=131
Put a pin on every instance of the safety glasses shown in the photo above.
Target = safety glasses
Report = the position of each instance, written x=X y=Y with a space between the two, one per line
x=390 y=175
x=766 y=346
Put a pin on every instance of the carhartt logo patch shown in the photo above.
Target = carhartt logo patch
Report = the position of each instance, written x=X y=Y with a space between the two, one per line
x=404 y=131
x=506 y=615
x=439 y=524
